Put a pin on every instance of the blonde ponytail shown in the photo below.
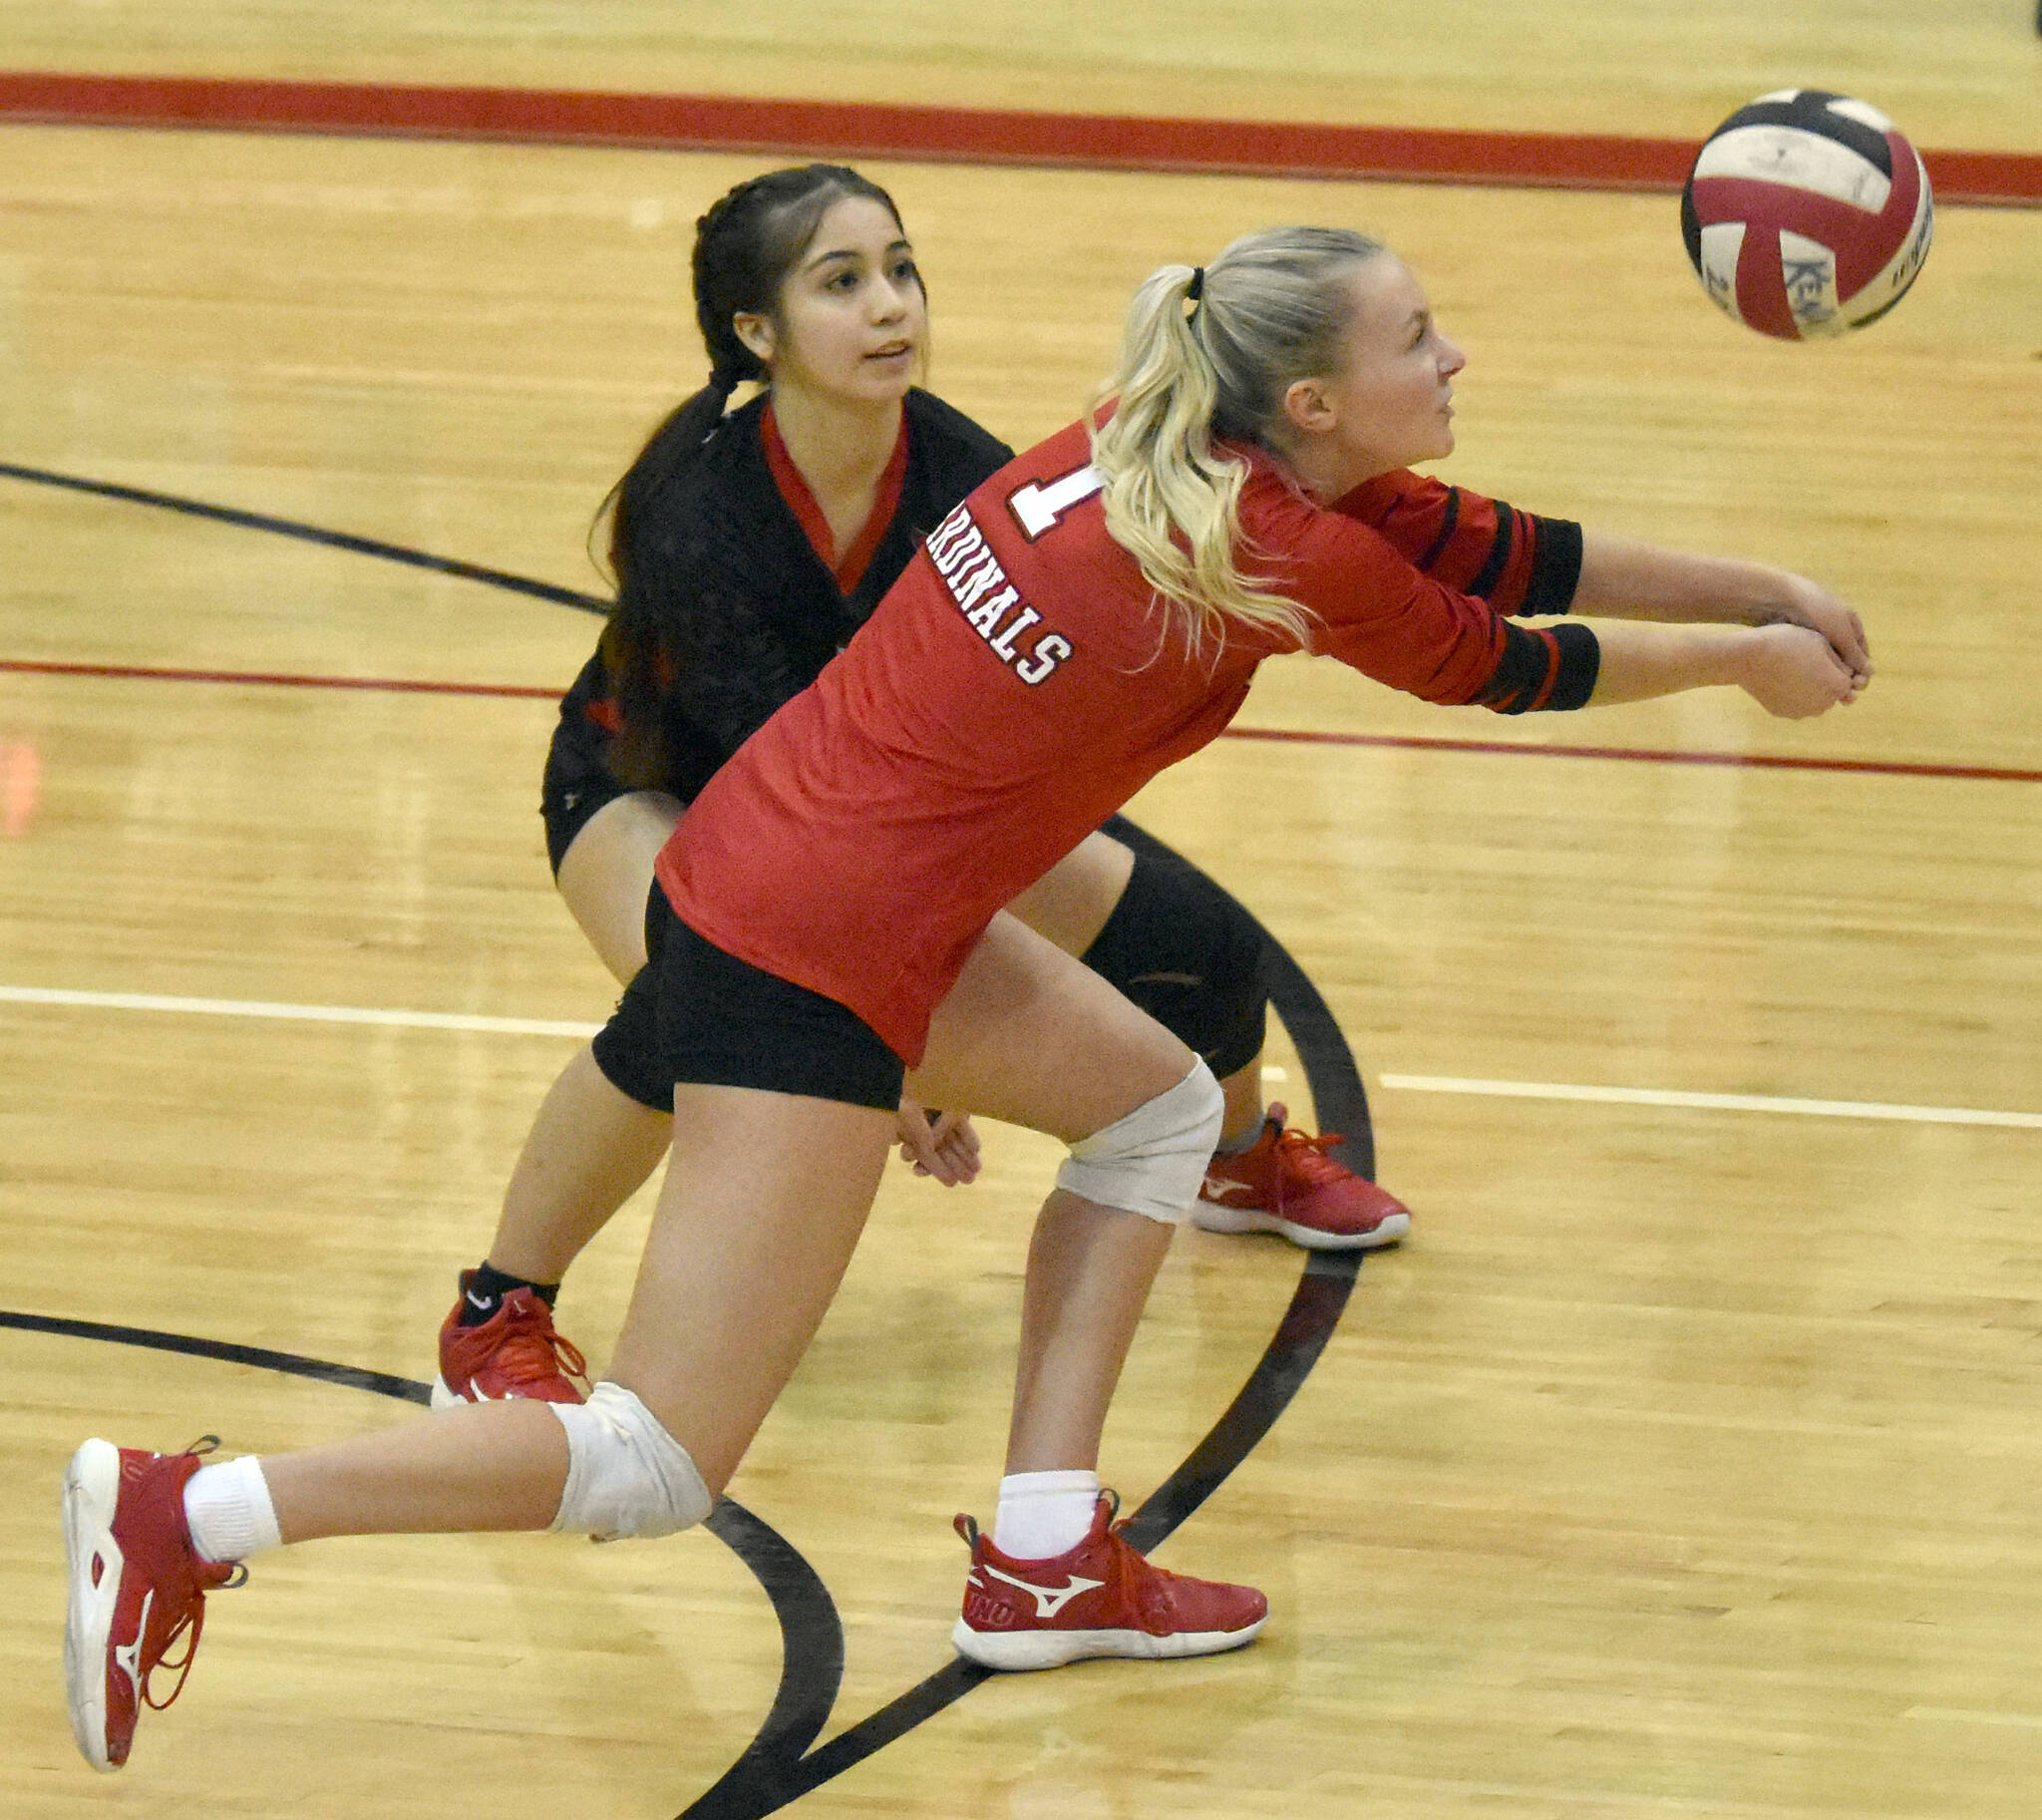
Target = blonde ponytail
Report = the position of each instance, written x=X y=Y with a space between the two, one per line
x=1270 y=310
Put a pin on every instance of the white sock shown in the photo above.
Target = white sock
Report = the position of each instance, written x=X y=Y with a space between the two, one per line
x=228 y=1512
x=1044 y=1513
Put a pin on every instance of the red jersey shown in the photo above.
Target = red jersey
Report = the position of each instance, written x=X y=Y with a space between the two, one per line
x=1015 y=688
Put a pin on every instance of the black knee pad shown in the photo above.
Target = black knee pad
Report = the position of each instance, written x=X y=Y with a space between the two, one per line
x=1188 y=956
x=627 y=1048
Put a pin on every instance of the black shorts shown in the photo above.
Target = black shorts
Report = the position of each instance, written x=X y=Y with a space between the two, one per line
x=698 y=1015
x=1185 y=952
x=577 y=782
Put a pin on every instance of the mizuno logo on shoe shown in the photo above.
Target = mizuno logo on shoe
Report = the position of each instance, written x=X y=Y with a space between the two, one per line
x=128 y=1656
x=1218 y=1188
x=1049 y=1601
x=482 y=1305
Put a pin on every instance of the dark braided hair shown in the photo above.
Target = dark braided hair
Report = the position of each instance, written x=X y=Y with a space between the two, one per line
x=746 y=247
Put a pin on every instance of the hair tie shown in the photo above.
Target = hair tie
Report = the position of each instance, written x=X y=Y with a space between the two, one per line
x=1196 y=288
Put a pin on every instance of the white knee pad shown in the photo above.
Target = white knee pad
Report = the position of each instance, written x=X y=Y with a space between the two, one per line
x=1152 y=1161
x=626 y=1476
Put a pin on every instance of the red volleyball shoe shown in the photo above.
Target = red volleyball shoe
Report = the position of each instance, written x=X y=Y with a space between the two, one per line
x=1287 y=1183
x=515 y=1353
x=136 y=1588
x=1100 y=1599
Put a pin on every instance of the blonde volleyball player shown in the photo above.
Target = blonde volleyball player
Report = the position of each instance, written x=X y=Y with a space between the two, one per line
x=748 y=547
x=833 y=916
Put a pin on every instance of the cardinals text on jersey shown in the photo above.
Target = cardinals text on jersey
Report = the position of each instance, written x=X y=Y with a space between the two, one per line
x=991 y=605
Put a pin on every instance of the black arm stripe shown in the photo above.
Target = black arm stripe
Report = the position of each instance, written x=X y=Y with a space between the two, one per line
x=1440 y=543
x=1581 y=662
x=1498 y=552
x=1556 y=567
x=1522 y=676
x=1541 y=668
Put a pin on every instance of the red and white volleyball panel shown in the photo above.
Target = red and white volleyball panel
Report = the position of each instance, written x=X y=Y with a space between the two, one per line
x=1807 y=214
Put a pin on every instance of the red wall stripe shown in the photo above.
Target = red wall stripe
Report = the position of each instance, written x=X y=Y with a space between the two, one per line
x=1574 y=161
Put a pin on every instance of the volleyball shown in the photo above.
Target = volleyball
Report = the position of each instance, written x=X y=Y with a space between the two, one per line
x=1806 y=214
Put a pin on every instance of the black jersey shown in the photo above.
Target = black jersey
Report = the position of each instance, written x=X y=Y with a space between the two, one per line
x=745 y=612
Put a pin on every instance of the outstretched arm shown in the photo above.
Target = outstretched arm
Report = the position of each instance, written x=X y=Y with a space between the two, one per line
x=1623 y=580
x=1789 y=670
x=1792 y=647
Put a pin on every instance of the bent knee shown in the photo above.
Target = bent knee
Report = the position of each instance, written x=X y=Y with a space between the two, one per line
x=627 y=1474
x=605 y=874
x=1152 y=1161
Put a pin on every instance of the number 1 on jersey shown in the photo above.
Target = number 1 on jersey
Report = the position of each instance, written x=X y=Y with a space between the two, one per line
x=1036 y=508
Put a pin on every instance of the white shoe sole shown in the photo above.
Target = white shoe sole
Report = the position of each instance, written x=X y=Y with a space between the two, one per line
x=1216 y=1217
x=92 y=1490
x=1018 y=1652
x=446 y=1398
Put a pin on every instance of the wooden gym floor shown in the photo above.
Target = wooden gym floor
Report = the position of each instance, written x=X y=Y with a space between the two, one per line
x=1683 y=1461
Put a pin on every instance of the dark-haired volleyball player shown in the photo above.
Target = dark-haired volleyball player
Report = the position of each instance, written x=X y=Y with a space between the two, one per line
x=833 y=916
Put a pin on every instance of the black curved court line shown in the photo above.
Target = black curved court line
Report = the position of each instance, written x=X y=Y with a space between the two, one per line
x=309 y=533
x=293 y=1364
x=778 y=1766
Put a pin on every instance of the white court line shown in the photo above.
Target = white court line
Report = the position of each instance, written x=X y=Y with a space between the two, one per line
x=1409 y=1083
x=1715 y=1102
x=311 y=1015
